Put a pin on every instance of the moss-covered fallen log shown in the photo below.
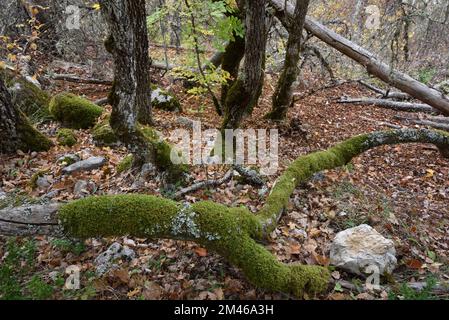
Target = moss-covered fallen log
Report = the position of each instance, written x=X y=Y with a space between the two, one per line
x=231 y=232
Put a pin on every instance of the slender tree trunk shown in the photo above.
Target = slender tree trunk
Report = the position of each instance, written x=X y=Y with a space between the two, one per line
x=233 y=55
x=245 y=92
x=232 y=58
x=283 y=96
x=131 y=93
x=16 y=133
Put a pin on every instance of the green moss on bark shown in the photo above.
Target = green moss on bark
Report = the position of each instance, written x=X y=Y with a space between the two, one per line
x=66 y=137
x=30 y=138
x=74 y=111
x=215 y=226
x=103 y=134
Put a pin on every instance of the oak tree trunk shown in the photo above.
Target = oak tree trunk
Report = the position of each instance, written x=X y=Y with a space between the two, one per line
x=233 y=55
x=283 y=95
x=245 y=92
x=131 y=93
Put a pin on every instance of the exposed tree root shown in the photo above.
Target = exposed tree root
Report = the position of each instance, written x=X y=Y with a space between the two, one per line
x=231 y=232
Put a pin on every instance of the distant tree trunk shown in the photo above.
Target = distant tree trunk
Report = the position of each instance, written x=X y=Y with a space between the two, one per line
x=176 y=29
x=16 y=133
x=283 y=95
x=358 y=19
x=245 y=92
x=233 y=55
x=131 y=93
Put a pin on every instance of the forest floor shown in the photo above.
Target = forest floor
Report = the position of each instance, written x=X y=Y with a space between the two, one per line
x=402 y=191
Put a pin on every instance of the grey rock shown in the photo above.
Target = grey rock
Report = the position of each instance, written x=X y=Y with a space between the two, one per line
x=80 y=187
x=42 y=182
x=51 y=194
x=85 y=165
x=357 y=248
x=83 y=187
x=69 y=159
x=185 y=122
x=53 y=275
x=105 y=261
x=263 y=191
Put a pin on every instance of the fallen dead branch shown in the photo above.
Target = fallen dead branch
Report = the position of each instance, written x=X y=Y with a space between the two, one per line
x=204 y=184
x=394 y=105
x=386 y=94
x=77 y=79
x=428 y=123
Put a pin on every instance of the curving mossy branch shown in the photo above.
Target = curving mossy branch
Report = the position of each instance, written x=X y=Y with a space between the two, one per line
x=231 y=232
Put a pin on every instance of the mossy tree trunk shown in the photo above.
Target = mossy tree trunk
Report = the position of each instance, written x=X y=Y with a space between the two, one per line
x=231 y=232
x=283 y=95
x=233 y=55
x=131 y=93
x=16 y=132
x=246 y=90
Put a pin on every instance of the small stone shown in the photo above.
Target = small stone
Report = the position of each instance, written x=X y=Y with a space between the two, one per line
x=342 y=214
x=80 y=187
x=51 y=194
x=357 y=248
x=185 y=122
x=105 y=261
x=42 y=182
x=85 y=165
x=68 y=159
x=263 y=191
x=33 y=154
x=129 y=242
x=53 y=275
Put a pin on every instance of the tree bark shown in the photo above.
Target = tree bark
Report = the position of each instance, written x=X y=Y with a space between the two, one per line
x=131 y=93
x=283 y=95
x=16 y=132
x=372 y=64
x=233 y=55
x=245 y=92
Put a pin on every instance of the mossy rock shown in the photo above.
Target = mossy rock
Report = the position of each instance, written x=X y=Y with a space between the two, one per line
x=164 y=100
x=33 y=180
x=103 y=134
x=28 y=97
x=66 y=137
x=74 y=111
